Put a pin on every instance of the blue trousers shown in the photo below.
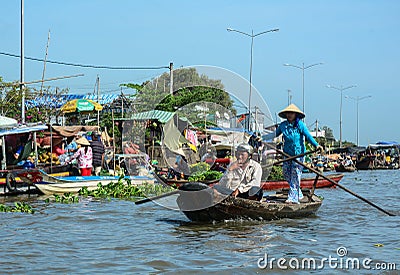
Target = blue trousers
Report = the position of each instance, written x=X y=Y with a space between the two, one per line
x=292 y=174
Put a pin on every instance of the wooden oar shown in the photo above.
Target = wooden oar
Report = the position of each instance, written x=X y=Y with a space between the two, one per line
x=157 y=197
x=334 y=182
x=294 y=157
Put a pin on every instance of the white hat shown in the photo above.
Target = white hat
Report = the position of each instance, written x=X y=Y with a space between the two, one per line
x=291 y=108
x=82 y=141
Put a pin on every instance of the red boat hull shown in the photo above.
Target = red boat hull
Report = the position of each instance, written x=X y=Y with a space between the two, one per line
x=305 y=183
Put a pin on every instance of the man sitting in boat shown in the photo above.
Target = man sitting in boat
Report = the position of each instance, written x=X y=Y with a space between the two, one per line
x=244 y=175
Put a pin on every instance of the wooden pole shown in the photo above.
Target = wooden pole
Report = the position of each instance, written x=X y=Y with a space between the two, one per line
x=22 y=67
x=35 y=148
x=44 y=63
x=113 y=123
x=157 y=197
x=332 y=181
x=3 y=149
x=49 y=79
x=98 y=101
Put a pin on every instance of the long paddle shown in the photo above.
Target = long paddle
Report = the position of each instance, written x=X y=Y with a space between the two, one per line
x=157 y=197
x=332 y=181
x=294 y=157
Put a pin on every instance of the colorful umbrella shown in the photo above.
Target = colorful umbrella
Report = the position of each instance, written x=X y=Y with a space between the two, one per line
x=80 y=105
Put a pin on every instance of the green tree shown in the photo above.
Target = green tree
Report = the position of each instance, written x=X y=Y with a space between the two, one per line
x=11 y=102
x=189 y=87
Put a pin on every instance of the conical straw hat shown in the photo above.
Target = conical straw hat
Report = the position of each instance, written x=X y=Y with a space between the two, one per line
x=291 y=108
x=82 y=141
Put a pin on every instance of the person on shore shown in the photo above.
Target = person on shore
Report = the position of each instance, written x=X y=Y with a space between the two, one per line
x=98 y=153
x=181 y=168
x=71 y=146
x=294 y=131
x=20 y=147
x=243 y=176
x=84 y=156
x=57 y=147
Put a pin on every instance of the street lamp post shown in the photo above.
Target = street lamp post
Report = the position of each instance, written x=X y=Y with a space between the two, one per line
x=341 y=89
x=252 y=35
x=357 y=99
x=303 y=68
x=289 y=97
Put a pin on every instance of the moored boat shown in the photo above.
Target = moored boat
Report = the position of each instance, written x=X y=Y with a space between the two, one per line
x=204 y=206
x=345 y=168
x=49 y=185
x=267 y=185
x=305 y=183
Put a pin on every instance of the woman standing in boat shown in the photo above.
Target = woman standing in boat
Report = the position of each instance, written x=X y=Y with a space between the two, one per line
x=294 y=131
x=84 y=155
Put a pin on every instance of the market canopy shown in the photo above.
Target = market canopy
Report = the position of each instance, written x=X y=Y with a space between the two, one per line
x=22 y=130
x=159 y=115
x=80 y=105
x=7 y=122
x=104 y=99
x=70 y=131
x=384 y=144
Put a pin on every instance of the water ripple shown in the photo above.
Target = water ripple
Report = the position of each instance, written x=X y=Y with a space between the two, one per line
x=114 y=236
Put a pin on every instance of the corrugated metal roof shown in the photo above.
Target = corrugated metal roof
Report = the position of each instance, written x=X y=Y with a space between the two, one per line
x=161 y=116
x=104 y=99
x=22 y=129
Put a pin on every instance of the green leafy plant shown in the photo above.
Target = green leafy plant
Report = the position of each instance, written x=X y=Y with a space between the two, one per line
x=199 y=167
x=66 y=198
x=123 y=189
x=18 y=207
x=205 y=176
x=276 y=173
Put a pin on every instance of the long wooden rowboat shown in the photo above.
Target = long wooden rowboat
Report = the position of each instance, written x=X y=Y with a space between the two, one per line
x=305 y=183
x=342 y=168
x=205 y=206
x=49 y=185
x=268 y=185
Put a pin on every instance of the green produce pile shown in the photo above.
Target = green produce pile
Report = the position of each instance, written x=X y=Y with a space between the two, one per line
x=205 y=176
x=199 y=167
x=276 y=173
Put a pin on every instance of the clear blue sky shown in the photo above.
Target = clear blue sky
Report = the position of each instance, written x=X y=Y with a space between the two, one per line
x=358 y=42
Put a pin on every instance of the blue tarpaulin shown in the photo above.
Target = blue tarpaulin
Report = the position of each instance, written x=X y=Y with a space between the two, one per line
x=388 y=143
x=56 y=101
x=52 y=101
x=385 y=144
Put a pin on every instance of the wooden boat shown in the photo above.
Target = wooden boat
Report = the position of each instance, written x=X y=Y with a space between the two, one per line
x=179 y=183
x=342 y=168
x=49 y=185
x=305 y=183
x=202 y=205
x=266 y=185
